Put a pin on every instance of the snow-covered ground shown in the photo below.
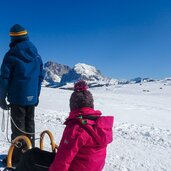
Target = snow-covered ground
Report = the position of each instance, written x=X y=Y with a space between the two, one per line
x=142 y=130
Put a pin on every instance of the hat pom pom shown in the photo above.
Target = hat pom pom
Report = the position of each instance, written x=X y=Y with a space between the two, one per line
x=80 y=86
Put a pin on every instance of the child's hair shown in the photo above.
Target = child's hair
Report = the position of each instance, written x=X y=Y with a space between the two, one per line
x=81 y=97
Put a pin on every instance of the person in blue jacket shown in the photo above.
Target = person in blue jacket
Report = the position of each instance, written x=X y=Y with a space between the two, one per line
x=20 y=81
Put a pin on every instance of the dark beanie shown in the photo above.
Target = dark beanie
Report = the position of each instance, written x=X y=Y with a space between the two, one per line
x=81 y=97
x=17 y=32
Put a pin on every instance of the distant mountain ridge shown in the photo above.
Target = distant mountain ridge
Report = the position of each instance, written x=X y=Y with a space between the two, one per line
x=63 y=76
x=58 y=75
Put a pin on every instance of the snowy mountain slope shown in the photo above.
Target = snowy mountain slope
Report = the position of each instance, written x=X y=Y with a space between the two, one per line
x=54 y=71
x=88 y=71
x=82 y=71
x=142 y=130
x=58 y=75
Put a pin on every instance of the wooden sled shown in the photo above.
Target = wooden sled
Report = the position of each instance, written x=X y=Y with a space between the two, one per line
x=53 y=145
x=29 y=145
x=11 y=149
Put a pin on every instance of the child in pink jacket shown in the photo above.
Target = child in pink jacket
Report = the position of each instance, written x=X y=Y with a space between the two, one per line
x=84 y=141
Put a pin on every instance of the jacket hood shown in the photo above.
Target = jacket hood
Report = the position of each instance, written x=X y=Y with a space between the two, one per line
x=100 y=128
x=102 y=132
x=25 y=51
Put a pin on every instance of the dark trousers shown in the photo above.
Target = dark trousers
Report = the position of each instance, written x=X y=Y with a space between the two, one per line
x=35 y=160
x=23 y=117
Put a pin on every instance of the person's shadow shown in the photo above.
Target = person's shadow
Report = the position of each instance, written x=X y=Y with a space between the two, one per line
x=2 y=156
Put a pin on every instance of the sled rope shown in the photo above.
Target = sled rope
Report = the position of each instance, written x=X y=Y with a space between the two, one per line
x=3 y=122
x=24 y=132
x=41 y=166
x=7 y=130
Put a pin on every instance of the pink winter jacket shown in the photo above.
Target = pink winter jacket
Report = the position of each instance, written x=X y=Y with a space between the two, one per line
x=84 y=141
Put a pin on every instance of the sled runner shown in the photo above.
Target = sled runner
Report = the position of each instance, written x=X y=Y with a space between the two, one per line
x=23 y=138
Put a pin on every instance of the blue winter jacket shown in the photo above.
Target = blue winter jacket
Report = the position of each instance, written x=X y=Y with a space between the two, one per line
x=21 y=74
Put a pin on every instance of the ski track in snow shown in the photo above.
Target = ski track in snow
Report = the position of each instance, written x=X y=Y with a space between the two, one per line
x=142 y=141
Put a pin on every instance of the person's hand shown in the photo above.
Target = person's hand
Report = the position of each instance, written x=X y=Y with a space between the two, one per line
x=3 y=104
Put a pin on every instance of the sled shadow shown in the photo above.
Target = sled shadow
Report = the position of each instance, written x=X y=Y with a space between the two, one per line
x=2 y=156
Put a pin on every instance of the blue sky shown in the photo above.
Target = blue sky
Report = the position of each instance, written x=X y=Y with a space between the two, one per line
x=122 y=38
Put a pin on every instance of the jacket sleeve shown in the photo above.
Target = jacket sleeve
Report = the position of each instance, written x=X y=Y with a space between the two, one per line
x=73 y=139
x=6 y=68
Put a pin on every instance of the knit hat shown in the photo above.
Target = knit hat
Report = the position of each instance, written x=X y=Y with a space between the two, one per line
x=81 y=97
x=17 y=32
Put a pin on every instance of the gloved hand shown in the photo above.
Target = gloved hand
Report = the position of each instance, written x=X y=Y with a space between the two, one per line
x=3 y=104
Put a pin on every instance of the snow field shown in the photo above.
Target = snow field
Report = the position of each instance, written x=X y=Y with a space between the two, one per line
x=142 y=129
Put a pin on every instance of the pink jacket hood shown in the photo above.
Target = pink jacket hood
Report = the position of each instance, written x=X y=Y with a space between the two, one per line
x=100 y=128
